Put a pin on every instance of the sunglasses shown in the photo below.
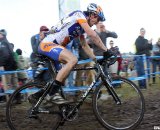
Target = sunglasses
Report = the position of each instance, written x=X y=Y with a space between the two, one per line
x=96 y=16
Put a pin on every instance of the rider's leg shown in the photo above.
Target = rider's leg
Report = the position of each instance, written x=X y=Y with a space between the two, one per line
x=70 y=61
x=57 y=53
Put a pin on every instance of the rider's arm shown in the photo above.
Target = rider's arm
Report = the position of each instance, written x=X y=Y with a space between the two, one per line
x=86 y=47
x=93 y=35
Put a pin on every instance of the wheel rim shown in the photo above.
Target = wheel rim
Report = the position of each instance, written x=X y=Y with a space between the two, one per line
x=18 y=114
x=125 y=116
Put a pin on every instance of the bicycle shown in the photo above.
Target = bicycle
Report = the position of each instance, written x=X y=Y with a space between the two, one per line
x=116 y=94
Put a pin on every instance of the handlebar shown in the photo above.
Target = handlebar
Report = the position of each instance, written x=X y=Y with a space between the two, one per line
x=108 y=61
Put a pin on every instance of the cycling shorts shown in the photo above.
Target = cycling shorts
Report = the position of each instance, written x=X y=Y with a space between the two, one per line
x=51 y=50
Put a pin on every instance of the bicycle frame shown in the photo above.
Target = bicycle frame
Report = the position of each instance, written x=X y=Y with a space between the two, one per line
x=101 y=87
x=105 y=77
x=106 y=80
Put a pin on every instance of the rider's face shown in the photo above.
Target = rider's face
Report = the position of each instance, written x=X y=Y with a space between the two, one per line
x=93 y=19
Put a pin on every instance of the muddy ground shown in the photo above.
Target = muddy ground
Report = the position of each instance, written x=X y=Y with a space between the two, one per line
x=87 y=121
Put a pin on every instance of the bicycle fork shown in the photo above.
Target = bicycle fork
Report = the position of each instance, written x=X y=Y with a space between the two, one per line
x=109 y=86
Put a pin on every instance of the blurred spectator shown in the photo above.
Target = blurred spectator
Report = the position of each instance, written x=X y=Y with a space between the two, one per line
x=125 y=67
x=2 y=97
x=12 y=79
x=156 y=61
x=7 y=61
x=116 y=67
x=103 y=34
x=22 y=76
x=6 y=52
x=35 y=40
x=73 y=47
x=84 y=77
x=15 y=55
x=143 y=46
x=90 y=74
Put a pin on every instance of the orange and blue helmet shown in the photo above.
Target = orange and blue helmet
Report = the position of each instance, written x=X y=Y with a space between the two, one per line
x=94 y=8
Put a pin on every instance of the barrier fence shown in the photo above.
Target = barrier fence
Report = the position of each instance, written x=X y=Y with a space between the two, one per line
x=74 y=88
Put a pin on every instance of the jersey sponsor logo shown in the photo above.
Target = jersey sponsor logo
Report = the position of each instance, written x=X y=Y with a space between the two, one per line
x=46 y=46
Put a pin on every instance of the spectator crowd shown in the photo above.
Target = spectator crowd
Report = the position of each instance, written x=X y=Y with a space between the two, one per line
x=11 y=60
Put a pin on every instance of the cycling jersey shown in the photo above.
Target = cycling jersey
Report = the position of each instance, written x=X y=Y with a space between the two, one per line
x=65 y=31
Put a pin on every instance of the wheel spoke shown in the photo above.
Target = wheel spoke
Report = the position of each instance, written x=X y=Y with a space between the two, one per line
x=126 y=115
x=19 y=114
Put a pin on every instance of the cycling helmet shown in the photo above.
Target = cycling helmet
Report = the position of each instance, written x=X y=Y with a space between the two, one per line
x=94 y=8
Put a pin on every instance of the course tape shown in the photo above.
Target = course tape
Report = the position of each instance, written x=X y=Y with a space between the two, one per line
x=16 y=71
x=79 y=62
x=70 y=88
x=74 y=88
x=65 y=89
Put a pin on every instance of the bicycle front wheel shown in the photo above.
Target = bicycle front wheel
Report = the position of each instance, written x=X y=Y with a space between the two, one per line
x=124 y=116
x=19 y=116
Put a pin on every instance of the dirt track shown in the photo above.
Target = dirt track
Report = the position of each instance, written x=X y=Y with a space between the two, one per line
x=87 y=121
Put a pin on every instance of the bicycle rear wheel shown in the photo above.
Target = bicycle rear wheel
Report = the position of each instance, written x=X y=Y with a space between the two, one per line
x=125 y=116
x=18 y=116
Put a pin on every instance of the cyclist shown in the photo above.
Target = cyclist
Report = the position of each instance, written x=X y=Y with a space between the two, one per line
x=53 y=45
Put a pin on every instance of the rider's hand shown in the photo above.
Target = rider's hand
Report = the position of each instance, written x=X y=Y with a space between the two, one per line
x=107 y=54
